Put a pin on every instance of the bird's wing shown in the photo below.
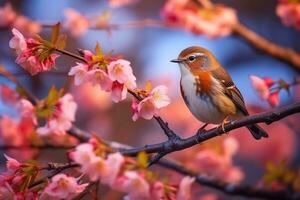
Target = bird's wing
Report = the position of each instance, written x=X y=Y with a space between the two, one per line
x=230 y=89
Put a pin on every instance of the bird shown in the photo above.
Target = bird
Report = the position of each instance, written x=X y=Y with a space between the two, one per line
x=209 y=92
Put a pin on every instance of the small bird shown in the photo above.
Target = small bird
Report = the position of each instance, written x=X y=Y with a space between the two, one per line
x=208 y=90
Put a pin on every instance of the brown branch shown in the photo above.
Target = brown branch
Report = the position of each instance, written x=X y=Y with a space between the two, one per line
x=204 y=135
x=56 y=168
x=227 y=188
x=285 y=54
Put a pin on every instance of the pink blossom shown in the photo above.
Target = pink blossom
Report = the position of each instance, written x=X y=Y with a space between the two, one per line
x=289 y=14
x=93 y=166
x=220 y=165
x=135 y=185
x=149 y=106
x=75 y=22
x=157 y=191
x=114 y=162
x=262 y=86
x=160 y=97
x=12 y=165
x=119 y=3
x=184 y=192
x=214 y=21
x=83 y=153
x=18 y=42
x=64 y=187
x=120 y=70
x=145 y=109
x=119 y=91
x=79 y=72
x=27 y=110
x=273 y=98
x=98 y=76
x=27 y=26
x=8 y=95
x=28 y=52
x=63 y=116
x=7 y=15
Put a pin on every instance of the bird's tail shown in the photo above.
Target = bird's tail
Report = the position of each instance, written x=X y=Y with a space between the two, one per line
x=257 y=132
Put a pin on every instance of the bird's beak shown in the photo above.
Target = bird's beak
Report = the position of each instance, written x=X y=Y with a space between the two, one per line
x=176 y=61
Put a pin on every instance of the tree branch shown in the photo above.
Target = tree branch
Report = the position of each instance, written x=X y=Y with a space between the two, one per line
x=203 y=135
x=285 y=54
x=227 y=188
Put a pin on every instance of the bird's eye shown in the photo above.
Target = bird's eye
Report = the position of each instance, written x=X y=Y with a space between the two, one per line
x=191 y=58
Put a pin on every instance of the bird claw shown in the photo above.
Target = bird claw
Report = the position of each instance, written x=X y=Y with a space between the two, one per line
x=223 y=125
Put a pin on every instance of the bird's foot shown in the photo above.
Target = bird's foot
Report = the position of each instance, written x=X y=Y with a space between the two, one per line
x=223 y=124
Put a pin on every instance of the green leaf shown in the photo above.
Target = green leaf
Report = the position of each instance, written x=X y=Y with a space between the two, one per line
x=98 y=50
x=61 y=41
x=44 y=112
x=55 y=33
x=53 y=96
x=142 y=159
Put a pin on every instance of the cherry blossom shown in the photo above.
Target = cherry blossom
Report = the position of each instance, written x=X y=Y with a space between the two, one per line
x=7 y=15
x=136 y=186
x=112 y=75
x=114 y=162
x=289 y=12
x=79 y=72
x=12 y=165
x=213 y=21
x=9 y=18
x=184 y=192
x=149 y=106
x=119 y=3
x=220 y=165
x=28 y=54
x=121 y=71
x=91 y=165
x=101 y=78
x=62 y=117
x=64 y=187
x=261 y=86
x=273 y=98
x=75 y=22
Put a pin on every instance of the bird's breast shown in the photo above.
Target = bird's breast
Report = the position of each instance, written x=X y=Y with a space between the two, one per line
x=201 y=100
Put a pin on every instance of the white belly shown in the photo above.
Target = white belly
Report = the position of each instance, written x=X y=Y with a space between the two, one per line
x=202 y=107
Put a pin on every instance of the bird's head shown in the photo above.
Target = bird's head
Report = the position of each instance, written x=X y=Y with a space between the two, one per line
x=195 y=59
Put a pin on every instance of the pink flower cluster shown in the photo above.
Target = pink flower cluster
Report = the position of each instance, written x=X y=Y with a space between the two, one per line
x=17 y=132
x=76 y=23
x=219 y=164
x=263 y=86
x=62 y=186
x=113 y=76
x=213 y=21
x=29 y=53
x=9 y=18
x=119 y=3
x=289 y=12
x=62 y=117
x=149 y=106
x=11 y=181
x=112 y=171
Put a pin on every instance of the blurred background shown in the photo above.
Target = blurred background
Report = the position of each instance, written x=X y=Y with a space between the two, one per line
x=150 y=50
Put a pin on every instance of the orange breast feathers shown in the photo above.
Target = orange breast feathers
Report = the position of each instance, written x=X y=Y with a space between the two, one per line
x=203 y=81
